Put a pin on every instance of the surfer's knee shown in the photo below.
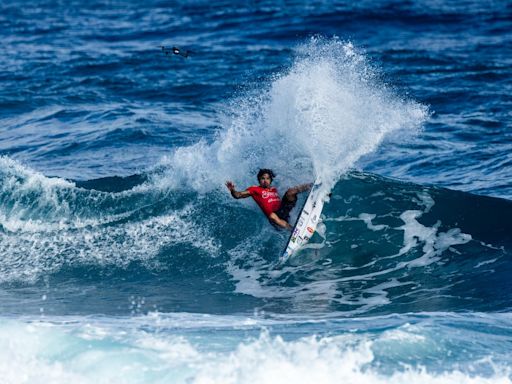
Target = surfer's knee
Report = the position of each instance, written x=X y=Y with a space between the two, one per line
x=291 y=194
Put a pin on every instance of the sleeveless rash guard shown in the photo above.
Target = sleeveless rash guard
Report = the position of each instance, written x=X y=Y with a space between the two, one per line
x=266 y=198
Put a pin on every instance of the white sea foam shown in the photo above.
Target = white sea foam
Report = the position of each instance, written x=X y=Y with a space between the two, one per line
x=134 y=351
x=32 y=201
x=365 y=217
x=49 y=222
x=28 y=255
x=434 y=242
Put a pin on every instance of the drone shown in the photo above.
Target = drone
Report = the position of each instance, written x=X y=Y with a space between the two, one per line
x=175 y=51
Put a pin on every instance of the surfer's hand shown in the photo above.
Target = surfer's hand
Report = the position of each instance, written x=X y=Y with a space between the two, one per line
x=230 y=185
x=235 y=193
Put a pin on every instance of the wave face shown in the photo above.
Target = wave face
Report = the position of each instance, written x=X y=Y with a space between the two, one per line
x=384 y=247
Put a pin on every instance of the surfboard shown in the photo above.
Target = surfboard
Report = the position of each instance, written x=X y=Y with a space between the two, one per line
x=307 y=221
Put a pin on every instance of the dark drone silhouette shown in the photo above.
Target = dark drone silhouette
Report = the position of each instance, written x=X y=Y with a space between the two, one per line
x=175 y=51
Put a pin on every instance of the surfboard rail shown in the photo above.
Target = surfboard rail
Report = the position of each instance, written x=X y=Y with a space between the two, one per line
x=306 y=223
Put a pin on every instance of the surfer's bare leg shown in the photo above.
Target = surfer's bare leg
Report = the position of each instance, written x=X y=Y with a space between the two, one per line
x=291 y=194
x=279 y=222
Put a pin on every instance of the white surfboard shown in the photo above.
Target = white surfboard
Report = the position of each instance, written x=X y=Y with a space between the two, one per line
x=306 y=223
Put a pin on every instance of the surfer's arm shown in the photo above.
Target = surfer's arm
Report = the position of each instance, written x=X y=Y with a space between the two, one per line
x=277 y=220
x=236 y=194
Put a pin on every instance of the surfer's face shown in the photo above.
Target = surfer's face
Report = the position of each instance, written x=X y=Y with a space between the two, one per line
x=265 y=180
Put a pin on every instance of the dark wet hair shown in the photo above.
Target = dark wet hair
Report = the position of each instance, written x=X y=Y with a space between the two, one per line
x=268 y=172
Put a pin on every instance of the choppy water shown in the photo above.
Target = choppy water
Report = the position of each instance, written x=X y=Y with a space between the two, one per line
x=123 y=257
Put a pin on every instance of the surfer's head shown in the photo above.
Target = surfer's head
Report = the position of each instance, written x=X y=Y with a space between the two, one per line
x=265 y=177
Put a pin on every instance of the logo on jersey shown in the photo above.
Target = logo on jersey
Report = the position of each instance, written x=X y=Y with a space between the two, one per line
x=267 y=194
x=310 y=230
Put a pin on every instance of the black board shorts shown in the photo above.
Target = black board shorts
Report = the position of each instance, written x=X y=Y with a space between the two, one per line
x=284 y=210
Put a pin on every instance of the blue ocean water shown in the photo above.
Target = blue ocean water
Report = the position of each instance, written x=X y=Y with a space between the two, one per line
x=125 y=260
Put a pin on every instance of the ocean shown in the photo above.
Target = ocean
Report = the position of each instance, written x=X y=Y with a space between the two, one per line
x=123 y=257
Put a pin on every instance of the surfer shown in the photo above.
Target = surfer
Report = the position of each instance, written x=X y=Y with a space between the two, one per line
x=267 y=197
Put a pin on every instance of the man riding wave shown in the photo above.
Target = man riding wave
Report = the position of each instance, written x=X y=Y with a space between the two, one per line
x=267 y=198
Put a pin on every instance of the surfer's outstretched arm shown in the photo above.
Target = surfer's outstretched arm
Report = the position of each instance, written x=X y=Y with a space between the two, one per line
x=280 y=222
x=236 y=194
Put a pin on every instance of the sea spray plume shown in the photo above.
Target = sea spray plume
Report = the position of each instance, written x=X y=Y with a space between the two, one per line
x=334 y=107
x=317 y=119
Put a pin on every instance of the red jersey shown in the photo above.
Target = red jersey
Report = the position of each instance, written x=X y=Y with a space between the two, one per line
x=266 y=198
